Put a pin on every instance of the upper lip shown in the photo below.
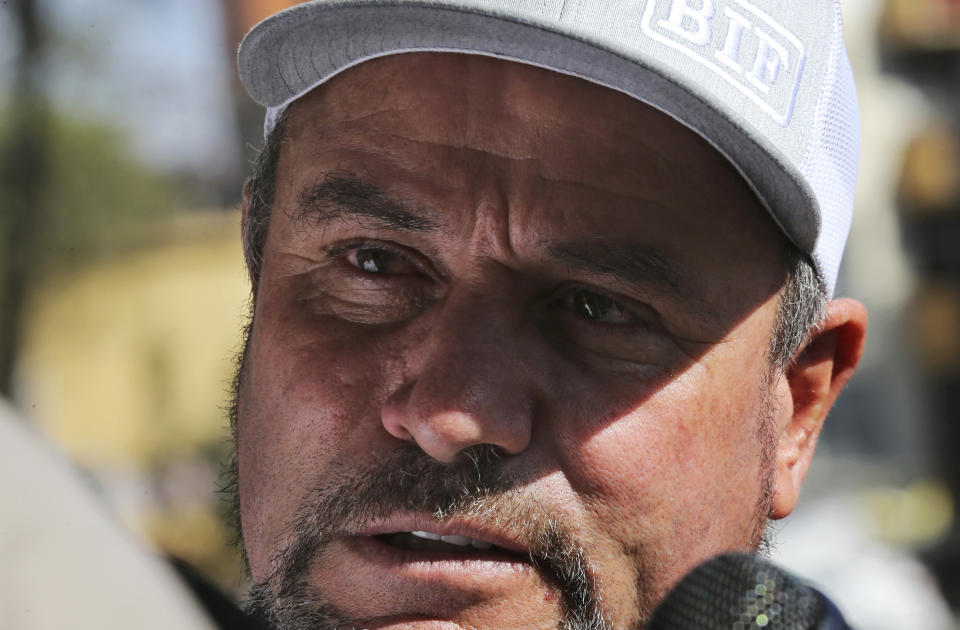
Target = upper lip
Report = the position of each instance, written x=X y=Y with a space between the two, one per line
x=452 y=527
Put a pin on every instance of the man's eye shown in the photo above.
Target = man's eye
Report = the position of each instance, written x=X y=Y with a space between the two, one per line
x=379 y=261
x=599 y=308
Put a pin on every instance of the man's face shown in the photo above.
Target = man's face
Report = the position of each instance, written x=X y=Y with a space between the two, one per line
x=500 y=304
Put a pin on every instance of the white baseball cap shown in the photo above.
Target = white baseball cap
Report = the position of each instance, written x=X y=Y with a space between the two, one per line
x=766 y=82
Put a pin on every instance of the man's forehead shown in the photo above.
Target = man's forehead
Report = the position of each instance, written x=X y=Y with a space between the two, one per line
x=467 y=100
x=471 y=84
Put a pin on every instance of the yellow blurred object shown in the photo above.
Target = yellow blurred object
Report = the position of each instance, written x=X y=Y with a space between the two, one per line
x=930 y=180
x=934 y=318
x=915 y=516
x=127 y=363
x=256 y=10
x=926 y=24
x=243 y=15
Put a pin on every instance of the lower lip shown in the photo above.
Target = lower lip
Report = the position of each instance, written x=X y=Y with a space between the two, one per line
x=425 y=623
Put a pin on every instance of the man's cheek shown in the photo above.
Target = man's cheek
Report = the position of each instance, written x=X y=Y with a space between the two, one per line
x=672 y=460
x=304 y=407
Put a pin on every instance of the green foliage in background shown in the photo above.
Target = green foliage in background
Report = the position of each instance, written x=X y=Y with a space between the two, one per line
x=96 y=199
x=70 y=193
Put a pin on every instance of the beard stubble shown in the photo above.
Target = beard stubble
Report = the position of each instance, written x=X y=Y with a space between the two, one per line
x=474 y=486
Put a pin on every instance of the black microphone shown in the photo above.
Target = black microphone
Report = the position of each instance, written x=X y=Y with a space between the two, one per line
x=743 y=592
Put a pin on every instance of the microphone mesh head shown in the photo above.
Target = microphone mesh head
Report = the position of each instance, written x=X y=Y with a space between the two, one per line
x=739 y=592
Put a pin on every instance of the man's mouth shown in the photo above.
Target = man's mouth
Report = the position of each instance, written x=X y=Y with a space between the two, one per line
x=441 y=544
x=455 y=540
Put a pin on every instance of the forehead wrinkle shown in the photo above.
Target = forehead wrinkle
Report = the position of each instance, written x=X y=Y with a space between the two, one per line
x=529 y=161
x=379 y=146
x=457 y=128
x=647 y=201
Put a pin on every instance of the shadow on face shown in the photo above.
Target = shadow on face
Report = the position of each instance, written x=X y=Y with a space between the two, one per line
x=466 y=253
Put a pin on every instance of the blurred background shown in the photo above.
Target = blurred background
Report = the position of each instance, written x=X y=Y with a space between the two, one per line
x=124 y=142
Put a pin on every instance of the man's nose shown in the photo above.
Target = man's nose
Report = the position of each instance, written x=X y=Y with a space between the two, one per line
x=470 y=385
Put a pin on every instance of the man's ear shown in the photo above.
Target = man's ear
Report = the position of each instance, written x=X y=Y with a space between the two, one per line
x=807 y=391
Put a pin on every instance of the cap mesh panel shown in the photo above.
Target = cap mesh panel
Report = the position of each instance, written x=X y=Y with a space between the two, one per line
x=831 y=160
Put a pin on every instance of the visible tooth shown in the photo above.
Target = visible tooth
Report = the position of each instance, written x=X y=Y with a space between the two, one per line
x=426 y=535
x=480 y=544
x=462 y=541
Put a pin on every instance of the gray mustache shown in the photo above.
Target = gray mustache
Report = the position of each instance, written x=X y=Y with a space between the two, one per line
x=409 y=480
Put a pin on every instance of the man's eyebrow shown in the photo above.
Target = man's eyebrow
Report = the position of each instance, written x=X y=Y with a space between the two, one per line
x=641 y=266
x=340 y=195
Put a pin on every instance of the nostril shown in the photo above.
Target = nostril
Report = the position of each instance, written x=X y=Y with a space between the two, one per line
x=400 y=432
x=394 y=415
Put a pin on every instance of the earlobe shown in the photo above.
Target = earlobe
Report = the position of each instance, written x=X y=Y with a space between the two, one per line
x=808 y=390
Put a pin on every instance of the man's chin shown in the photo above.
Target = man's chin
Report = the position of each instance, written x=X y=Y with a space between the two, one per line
x=402 y=622
x=313 y=615
x=367 y=583
x=426 y=622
